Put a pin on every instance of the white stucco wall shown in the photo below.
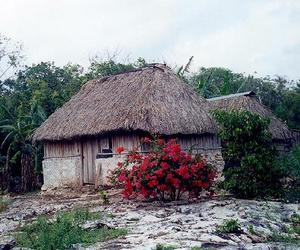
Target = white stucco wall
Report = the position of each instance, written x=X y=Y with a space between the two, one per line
x=61 y=172
x=106 y=165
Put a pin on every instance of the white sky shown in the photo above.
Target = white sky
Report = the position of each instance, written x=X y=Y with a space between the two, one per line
x=243 y=35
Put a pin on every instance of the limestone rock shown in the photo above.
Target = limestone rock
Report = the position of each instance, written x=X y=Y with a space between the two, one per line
x=7 y=242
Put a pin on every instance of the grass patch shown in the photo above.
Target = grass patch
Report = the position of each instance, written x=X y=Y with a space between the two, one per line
x=165 y=247
x=251 y=229
x=3 y=204
x=229 y=226
x=64 y=231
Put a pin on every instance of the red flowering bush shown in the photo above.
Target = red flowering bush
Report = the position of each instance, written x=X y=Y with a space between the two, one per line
x=166 y=172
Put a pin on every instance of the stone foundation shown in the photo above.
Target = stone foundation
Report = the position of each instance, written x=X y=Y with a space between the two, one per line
x=61 y=172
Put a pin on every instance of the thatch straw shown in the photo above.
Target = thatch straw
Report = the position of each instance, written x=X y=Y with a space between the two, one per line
x=248 y=101
x=153 y=99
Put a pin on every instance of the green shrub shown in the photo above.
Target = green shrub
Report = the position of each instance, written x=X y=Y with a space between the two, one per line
x=250 y=163
x=290 y=165
x=104 y=197
x=229 y=226
x=295 y=218
x=64 y=231
x=165 y=247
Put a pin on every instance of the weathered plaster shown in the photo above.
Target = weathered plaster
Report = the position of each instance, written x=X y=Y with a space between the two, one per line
x=106 y=165
x=61 y=172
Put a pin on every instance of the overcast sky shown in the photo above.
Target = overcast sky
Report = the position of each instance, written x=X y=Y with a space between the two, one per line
x=245 y=36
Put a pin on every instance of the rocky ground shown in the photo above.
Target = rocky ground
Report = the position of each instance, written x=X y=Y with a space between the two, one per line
x=183 y=224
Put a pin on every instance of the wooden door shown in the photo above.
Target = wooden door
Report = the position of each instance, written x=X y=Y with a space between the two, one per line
x=88 y=162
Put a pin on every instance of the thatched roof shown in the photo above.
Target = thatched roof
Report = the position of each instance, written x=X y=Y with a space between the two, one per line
x=248 y=101
x=152 y=99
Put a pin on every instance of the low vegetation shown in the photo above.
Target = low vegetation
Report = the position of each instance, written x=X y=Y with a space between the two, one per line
x=251 y=229
x=104 y=197
x=288 y=233
x=64 y=231
x=229 y=226
x=165 y=247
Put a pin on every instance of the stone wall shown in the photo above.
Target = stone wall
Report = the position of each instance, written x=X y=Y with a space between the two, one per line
x=61 y=172
x=214 y=158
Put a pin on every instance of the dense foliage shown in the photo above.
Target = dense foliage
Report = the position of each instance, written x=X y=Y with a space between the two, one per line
x=166 y=172
x=290 y=164
x=251 y=169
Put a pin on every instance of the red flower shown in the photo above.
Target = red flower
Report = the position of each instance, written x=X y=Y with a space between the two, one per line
x=119 y=150
x=164 y=165
x=175 y=182
x=159 y=173
x=122 y=176
x=183 y=171
x=153 y=183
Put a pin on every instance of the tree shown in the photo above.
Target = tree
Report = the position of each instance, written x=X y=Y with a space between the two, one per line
x=289 y=108
x=10 y=55
x=27 y=101
x=18 y=141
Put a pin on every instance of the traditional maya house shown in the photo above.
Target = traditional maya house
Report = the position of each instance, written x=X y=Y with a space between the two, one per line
x=80 y=138
x=282 y=136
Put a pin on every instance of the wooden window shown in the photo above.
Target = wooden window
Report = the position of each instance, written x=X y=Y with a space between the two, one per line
x=105 y=148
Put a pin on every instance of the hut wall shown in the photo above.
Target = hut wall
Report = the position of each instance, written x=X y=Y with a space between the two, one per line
x=73 y=163
x=80 y=162
x=207 y=146
x=61 y=164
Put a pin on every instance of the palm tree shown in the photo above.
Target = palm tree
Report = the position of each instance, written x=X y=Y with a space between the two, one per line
x=18 y=132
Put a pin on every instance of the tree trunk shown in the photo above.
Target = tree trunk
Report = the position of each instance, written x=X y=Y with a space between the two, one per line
x=27 y=173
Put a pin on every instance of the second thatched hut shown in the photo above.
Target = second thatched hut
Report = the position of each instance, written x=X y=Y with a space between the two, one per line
x=282 y=136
